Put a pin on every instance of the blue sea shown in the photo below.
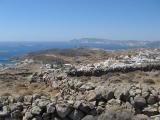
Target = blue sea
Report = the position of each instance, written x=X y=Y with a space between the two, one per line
x=12 y=49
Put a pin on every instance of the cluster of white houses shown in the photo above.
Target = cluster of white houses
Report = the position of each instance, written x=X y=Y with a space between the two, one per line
x=143 y=57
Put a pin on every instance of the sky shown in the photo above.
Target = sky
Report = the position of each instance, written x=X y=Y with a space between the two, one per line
x=54 y=20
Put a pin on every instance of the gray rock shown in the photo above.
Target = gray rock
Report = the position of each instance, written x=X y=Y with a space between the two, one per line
x=28 y=98
x=139 y=102
x=36 y=110
x=132 y=93
x=11 y=99
x=5 y=111
x=152 y=99
x=36 y=96
x=145 y=94
x=1 y=105
x=37 y=118
x=55 y=118
x=113 y=102
x=16 y=106
x=82 y=106
x=51 y=108
x=63 y=110
x=87 y=86
x=55 y=84
x=108 y=94
x=46 y=116
x=89 y=117
x=42 y=103
x=141 y=117
x=27 y=116
x=138 y=91
x=19 y=98
x=100 y=109
x=79 y=84
x=91 y=96
x=76 y=115
x=151 y=110
x=122 y=93
x=17 y=115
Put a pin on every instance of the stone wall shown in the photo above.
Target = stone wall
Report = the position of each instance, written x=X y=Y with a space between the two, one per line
x=136 y=99
x=95 y=99
x=101 y=71
x=81 y=100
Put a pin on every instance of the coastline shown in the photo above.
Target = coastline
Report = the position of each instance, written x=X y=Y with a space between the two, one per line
x=8 y=62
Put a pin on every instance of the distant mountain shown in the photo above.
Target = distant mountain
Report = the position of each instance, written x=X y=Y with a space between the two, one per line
x=119 y=44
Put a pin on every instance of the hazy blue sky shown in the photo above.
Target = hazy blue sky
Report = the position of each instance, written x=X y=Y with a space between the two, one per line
x=68 y=19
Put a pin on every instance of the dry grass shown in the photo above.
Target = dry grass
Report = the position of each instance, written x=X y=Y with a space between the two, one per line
x=20 y=88
x=6 y=94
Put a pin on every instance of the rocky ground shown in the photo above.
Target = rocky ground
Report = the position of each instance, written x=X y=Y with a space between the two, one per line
x=30 y=92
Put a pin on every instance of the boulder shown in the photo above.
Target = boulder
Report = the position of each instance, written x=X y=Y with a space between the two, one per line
x=99 y=110
x=19 y=98
x=152 y=99
x=28 y=98
x=27 y=116
x=17 y=115
x=16 y=106
x=36 y=110
x=91 y=96
x=151 y=110
x=113 y=102
x=63 y=110
x=122 y=93
x=145 y=94
x=87 y=86
x=5 y=112
x=83 y=106
x=36 y=96
x=42 y=103
x=139 y=102
x=46 y=116
x=141 y=117
x=51 y=108
x=108 y=94
x=89 y=117
x=76 y=115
